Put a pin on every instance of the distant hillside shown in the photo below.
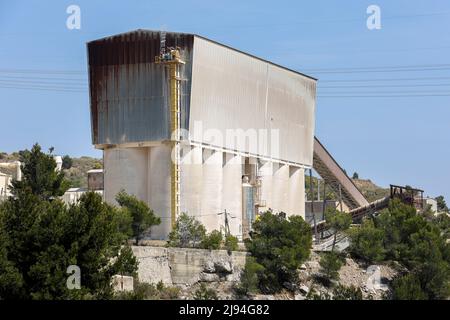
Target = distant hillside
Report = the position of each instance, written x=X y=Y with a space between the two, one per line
x=370 y=190
x=77 y=174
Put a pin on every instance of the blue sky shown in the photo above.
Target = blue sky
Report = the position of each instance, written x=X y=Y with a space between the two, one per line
x=400 y=139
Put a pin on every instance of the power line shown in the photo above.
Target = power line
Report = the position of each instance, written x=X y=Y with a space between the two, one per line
x=74 y=85
x=387 y=96
x=385 y=79
x=83 y=80
x=378 y=71
x=29 y=71
x=39 y=88
x=387 y=86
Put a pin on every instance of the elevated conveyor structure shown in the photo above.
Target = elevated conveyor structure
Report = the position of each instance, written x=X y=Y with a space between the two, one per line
x=335 y=177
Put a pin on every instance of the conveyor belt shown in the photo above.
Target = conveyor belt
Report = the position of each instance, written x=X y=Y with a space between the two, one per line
x=334 y=176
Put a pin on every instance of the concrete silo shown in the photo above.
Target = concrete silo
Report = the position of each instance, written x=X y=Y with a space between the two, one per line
x=237 y=115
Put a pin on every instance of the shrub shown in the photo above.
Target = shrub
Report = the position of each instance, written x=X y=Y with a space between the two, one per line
x=141 y=215
x=338 y=221
x=341 y=292
x=280 y=246
x=67 y=162
x=249 y=278
x=331 y=263
x=231 y=243
x=367 y=242
x=188 y=232
x=407 y=287
x=205 y=293
x=149 y=291
x=212 y=241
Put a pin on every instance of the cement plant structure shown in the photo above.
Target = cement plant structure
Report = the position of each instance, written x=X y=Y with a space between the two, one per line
x=144 y=84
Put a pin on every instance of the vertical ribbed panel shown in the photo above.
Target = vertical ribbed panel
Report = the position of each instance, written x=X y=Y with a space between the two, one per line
x=296 y=192
x=235 y=91
x=159 y=188
x=232 y=192
x=125 y=169
x=212 y=174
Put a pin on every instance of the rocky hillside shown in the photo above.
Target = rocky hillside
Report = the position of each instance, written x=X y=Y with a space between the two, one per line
x=76 y=174
x=370 y=190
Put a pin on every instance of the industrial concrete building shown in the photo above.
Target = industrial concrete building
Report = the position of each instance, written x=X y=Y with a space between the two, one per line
x=244 y=128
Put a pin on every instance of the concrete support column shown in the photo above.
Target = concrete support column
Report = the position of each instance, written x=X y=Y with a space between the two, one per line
x=211 y=189
x=125 y=168
x=265 y=172
x=232 y=192
x=280 y=199
x=191 y=180
x=159 y=188
x=296 y=191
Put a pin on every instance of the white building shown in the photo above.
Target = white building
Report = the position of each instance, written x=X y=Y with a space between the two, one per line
x=239 y=115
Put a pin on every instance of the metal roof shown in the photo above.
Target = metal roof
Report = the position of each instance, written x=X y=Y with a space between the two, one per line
x=138 y=32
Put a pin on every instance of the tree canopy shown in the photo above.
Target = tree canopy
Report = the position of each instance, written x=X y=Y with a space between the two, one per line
x=280 y=246
x=40 y=237
x=142 y=217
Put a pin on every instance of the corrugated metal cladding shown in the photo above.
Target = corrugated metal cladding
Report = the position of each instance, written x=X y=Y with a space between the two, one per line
x=232 y=90
x=129 y=92
x=223 y=88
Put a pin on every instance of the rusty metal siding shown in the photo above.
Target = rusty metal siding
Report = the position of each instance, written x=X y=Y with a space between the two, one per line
x=232 y=90
x=129 y=92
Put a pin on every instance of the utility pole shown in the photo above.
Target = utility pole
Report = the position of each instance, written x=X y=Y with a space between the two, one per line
x=227 y=225
x=324 y=203
x=311 y=189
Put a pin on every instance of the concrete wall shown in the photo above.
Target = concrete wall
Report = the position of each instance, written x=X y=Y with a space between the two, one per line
x=125 y=168
x=183 y=266
x=158 y=185
x=211 y=182
x=235 y=91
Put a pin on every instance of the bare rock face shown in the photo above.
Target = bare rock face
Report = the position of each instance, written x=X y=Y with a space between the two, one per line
x=304 y=289
x=209 y=267
x=208 y=277
x=218 y=265
x=223 y=266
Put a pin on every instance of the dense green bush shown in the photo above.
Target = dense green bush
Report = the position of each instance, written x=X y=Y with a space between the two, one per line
x=407 y=288
x=417 y=242
x=67 y=162
x=249 y=278
x=212 y=241
x=330 y=264
x=280 y=246
x=339 y=292
x=149 y=291
x=142 y=217
x=231 y=243
x=338 y=222
x=188 y=232
x=367 y=242
x=40 y=237
x=205 y=293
